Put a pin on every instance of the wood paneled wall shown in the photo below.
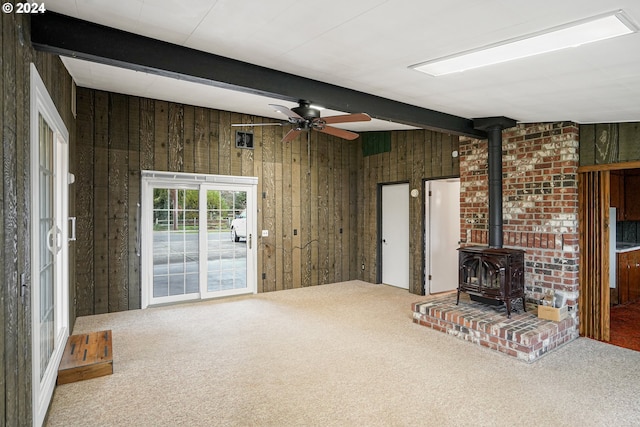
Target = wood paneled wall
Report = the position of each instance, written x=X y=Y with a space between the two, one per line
x=415 y=156
x=326 y=191
x=311 y=191
x=606 y=143
x=15 y=215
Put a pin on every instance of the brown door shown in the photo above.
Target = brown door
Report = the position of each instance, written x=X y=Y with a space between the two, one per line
x=593 y=187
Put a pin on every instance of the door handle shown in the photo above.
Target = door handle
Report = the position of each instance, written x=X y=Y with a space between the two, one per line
x=384 y=241
x=72 y=220
x=249 y=240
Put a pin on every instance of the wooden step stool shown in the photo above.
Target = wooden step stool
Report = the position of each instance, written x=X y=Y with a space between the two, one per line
x=86 y=356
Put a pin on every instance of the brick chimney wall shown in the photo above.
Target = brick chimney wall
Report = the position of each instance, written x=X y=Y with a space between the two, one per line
x=540 y=202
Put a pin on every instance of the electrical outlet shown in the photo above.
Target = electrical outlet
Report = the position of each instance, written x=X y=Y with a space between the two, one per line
x=265 y=233
x=362 y=266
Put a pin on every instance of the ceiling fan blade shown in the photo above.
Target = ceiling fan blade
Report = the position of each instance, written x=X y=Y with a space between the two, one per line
x=291 y=135
x=346 y=118
x=256 y=124
x=340 y=133
x=286 y=111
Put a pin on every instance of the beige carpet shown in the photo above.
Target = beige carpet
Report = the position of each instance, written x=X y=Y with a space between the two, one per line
x=344 y=354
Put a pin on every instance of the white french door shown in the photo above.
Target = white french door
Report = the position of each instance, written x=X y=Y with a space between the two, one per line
x=50 y=249
x=189 y=249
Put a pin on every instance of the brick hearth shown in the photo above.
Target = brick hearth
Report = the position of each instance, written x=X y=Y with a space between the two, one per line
x=524 y=336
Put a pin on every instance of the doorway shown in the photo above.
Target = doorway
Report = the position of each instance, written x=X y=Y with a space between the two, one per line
x=442 y=234
x=395 y=235
x=198 y=236
x=600 y=189
x=50 y=244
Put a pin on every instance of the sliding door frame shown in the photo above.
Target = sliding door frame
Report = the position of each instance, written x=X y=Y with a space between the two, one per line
x=202 y=182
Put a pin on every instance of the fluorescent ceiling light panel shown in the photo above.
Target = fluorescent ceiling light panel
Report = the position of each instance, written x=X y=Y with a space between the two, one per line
x=574 y=34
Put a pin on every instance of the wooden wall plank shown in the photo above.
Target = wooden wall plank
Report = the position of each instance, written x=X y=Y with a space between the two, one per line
x=224 y=153
x=337 y=229
x=315 y=207
x=101 y=203
x=176 y=137
x=287 y=213
x=214 y=146
x=629 y=145
x=118 y=203
x=24 y=56
x=5 y=108
x=235 y=154
x=352 y=203
x=161 y=136
x=201 y=140
x=278 y=210
x=133 y=206
x=267 y=244
x=9 y=268
x=147 y=133
x=85 y=195
x=189 y=145
x=246 y=155
x=325 y=240
x=393 y=158
x=296 y=213
x=257 y=169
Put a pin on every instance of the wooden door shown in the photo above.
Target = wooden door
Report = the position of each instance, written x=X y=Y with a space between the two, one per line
x=593 y=211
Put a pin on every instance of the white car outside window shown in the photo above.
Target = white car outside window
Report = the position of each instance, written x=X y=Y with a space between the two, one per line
x=239 y=227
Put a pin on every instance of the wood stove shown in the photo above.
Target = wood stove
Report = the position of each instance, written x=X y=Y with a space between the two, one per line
x=493 y=274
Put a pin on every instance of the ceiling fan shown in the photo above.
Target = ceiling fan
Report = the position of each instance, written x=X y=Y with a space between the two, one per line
x=305 y=117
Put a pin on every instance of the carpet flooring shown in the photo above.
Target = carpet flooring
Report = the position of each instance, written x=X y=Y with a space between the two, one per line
x=345 y=354
x=625 y=326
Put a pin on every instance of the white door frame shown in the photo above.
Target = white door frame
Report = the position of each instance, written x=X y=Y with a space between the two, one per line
x=203 y=182
x=43 y=383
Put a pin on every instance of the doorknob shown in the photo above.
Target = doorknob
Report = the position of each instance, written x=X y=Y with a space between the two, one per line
x=384 y=240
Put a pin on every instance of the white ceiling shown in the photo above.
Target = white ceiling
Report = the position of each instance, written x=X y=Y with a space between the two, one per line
x=367 y=45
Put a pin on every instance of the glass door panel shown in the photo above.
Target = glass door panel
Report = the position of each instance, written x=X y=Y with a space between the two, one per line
x=226 y=240
x=48 y=248
x=175 y=242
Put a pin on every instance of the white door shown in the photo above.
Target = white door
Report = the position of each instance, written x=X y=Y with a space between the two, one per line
x=50 y=249
x=442 y=229
x=395 y=235
x=189 y=250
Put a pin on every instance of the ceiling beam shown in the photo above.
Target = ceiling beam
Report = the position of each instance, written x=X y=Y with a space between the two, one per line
x=67 y=36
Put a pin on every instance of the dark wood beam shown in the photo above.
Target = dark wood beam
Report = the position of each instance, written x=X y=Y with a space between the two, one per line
x=67 y=36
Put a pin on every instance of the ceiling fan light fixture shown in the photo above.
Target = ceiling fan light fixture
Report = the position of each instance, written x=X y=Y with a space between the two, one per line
x=578 y=33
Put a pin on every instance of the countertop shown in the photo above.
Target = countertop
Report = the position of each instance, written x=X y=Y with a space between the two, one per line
x=622 y=247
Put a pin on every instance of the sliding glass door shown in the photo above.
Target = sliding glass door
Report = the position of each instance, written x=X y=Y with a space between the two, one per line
x=50 y=248
x=198 y=236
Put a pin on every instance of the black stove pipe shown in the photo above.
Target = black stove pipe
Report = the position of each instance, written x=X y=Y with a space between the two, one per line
x=493 y=126
x=495 y=186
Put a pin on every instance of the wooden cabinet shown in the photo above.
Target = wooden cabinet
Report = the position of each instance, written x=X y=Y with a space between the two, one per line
x=617 y=193
x=624 y=186
x=632 y=195
x=628 y=276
